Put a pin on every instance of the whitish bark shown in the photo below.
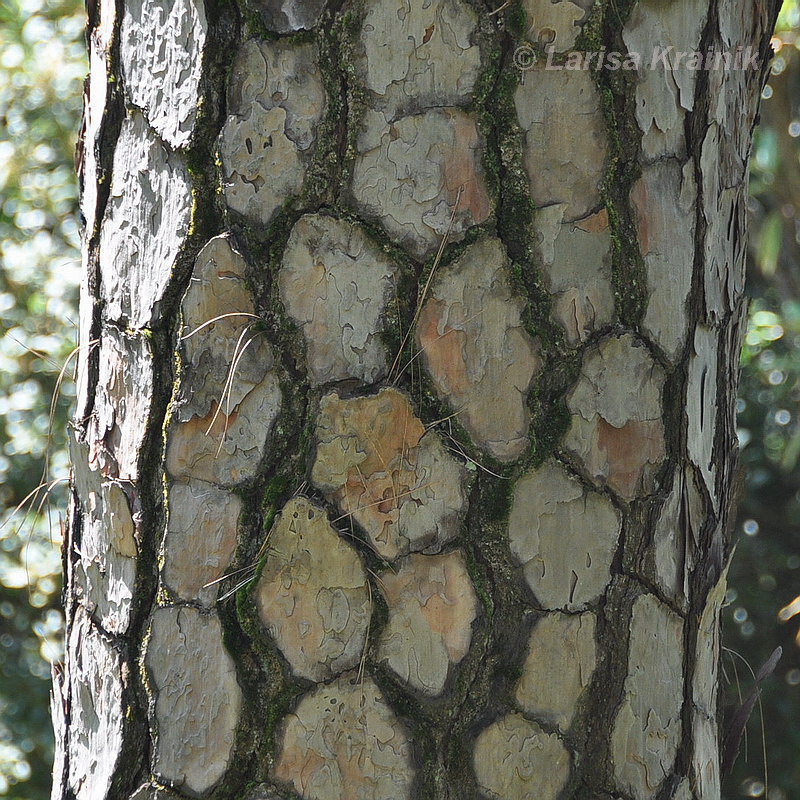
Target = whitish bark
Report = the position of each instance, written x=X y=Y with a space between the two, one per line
x=404 y=439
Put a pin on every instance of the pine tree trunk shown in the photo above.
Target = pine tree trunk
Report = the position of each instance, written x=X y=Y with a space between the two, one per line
x=404 y=450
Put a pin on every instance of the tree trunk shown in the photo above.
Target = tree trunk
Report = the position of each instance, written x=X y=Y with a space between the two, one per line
x=405 y=434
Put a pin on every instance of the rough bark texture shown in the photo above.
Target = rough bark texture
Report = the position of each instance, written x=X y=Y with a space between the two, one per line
x=404 y=439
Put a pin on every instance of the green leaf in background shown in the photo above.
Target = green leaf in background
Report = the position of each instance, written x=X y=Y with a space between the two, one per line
x=769 y=244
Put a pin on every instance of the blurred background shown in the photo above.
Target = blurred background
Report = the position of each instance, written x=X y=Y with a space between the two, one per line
x=42 y=65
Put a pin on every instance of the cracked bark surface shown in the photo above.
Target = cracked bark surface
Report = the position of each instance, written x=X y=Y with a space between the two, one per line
x=336 y=284
x=405 y=424
x=432 y=606
x=476 y=349
x=313 y=595
x=386 y=473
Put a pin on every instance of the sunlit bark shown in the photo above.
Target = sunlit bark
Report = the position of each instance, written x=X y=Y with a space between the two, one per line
x=404 y=445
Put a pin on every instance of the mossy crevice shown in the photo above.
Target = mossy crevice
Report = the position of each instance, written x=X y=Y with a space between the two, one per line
x=617 y=91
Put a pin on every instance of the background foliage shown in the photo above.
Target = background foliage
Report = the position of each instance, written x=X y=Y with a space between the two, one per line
x=765 y=574
x=42 y=64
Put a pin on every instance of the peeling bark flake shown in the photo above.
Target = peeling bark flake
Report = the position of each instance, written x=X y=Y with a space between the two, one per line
x=162 y=58
x=343 y=742
x=515 y=759
x=647 y=729
x=312 y=594
x=474 y=344
x=563 y=536
x=565 y=141
x=200 y=539
x=105 y=572
x=417 y=55
x=96 y=708
x=666 y=88
x=275 y=100
x=432 y=606
x=421 y=176
x=378 y=464
x=701 y=407
x=617 y=430
x=145 y=226
x=552 y=24
x=576 y=269
x=558 y=667
x=675 y=538
x=115 y=432
x=95 y=102
x=335 y=284
x=229 y=395
x=196 y=698
x=664 y=200
x=705 y=723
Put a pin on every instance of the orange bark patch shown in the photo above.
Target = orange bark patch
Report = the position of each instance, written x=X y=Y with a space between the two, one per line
x=629 y=450
x=595 y=224
x=460 y=171
x=376 y=462
x=444 y=352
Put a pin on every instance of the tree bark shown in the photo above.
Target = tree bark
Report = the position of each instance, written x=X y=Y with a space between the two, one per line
x=404 y=446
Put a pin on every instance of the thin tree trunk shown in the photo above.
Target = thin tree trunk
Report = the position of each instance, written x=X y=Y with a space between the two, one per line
x=405 y=434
